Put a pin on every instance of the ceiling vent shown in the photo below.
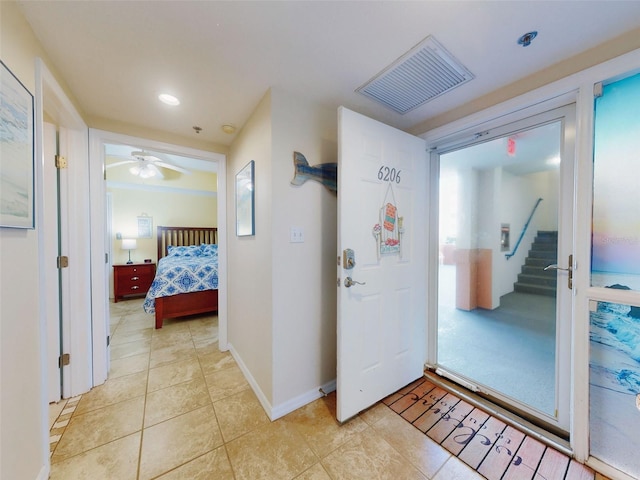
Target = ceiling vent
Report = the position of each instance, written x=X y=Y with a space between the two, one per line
x=422 y=74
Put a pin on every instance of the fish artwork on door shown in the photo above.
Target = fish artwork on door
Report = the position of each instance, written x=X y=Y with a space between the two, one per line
x=388 y=232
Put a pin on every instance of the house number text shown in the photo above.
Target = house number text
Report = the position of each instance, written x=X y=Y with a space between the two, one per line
x=387 y=174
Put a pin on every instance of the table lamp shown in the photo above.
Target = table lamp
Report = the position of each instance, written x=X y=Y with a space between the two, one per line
x=129 y=244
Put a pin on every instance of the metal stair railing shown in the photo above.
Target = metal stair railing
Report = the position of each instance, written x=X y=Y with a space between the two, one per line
x=524 y=230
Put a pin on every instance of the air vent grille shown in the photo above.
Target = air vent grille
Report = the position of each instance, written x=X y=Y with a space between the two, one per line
x=420 y=75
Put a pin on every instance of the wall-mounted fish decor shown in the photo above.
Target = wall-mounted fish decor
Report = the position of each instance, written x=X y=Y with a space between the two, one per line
x=325 y=173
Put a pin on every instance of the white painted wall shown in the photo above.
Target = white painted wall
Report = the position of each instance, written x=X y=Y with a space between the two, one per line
x=304 y=274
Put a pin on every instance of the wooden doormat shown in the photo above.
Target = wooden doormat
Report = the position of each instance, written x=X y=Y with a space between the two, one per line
x=491 y=447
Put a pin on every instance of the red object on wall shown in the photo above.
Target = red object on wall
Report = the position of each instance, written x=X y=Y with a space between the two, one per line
x=511 y=147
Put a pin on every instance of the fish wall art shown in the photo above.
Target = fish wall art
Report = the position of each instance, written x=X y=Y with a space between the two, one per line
x=325 y=173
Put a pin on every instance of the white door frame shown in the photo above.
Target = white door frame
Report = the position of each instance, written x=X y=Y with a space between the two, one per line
x=99 y=247
x=579 y=87
x=51 y=99
x=566 y=200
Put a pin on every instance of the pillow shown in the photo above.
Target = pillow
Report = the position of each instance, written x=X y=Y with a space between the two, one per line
x=209 y=249
x=184 y=251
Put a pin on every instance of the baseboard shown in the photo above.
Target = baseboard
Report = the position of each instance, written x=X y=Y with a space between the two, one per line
x=301 y=400
x=275 y=412
x=252 y=381
x=44 y=472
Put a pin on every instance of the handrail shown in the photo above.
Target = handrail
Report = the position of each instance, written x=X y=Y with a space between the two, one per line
x=524 y=230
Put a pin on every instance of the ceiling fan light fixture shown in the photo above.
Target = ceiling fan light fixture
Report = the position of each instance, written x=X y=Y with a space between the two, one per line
x=146 y=172
x=168 y=99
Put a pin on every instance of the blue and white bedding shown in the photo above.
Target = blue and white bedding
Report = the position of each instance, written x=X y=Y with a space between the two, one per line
x=185 y=269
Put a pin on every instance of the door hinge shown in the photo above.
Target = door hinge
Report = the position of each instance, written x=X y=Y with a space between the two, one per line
x=108 y=340
x=106 y=258
x=63 y=261
x=64 y=360
x=61 y=162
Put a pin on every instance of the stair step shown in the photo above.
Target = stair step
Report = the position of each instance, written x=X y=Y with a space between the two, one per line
x=548 y=254
x=545 y=239
x=538 y=262
x=547 y=233
x=538 y=270
x=544 y=246
x=535 y=289
x=539 y=280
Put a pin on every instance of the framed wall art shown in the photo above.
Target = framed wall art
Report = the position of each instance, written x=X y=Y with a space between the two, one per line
x=245 y=201
x=16 y=152
x=145 y=226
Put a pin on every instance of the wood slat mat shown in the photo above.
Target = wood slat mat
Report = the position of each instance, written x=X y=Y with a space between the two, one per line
x=496 y=450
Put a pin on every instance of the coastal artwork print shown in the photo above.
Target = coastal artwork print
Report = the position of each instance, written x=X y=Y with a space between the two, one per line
x=16 y=152
x=614 y=358
x=615 y=255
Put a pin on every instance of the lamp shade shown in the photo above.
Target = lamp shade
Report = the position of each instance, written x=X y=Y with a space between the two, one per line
x=129 y=244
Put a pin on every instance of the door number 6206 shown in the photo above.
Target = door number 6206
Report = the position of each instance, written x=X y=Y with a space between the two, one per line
x=387 y=174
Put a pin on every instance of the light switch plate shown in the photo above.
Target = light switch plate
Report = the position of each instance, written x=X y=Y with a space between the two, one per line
x=296 y=235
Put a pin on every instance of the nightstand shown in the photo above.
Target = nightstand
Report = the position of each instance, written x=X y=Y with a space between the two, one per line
x=132 y=279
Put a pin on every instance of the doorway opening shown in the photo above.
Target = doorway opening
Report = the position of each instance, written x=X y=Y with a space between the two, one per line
x=502 y=295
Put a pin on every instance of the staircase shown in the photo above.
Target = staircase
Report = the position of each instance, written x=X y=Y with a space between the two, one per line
x=533 y=278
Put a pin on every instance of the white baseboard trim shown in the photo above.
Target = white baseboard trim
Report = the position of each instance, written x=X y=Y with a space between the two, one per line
x=252 y=382
x=275 y=412
x=301 y=400
x=44 y=472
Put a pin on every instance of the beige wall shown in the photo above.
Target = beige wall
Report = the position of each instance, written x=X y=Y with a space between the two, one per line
x=22 y=451
x=250 y=263
x=286 y=333
x=304 y=274
x=179 y=200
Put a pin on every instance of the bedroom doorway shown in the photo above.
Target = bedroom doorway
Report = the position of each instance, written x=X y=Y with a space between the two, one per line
x=505 y=266
x=140 y=202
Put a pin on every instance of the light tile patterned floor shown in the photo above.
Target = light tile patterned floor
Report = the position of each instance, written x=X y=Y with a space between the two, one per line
x=175 y=407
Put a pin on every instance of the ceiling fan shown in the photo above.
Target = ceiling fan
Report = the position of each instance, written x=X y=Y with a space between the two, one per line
x=145 y=164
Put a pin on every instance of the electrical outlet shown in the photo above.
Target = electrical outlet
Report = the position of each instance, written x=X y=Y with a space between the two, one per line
x=296 y=235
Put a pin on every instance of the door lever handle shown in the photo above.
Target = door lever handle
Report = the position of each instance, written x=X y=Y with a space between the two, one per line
x=569 y=269
x=348 y=282
x=555 y=266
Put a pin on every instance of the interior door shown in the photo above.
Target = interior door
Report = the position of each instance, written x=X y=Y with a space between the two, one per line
x=382 y=238
x=505 y=265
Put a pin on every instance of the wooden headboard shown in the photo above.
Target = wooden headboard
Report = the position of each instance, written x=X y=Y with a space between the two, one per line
x=182 y=236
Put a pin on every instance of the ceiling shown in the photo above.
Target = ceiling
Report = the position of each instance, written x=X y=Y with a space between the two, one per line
x=220 y=58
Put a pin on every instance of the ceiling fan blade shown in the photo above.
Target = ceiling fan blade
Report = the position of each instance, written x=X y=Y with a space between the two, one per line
x=172 y=167
x=124 y=162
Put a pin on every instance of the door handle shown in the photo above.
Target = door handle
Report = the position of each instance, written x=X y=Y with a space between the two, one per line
x=569 y=269
x=348 y=282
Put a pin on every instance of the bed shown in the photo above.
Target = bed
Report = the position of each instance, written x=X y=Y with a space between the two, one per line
x=186 y=278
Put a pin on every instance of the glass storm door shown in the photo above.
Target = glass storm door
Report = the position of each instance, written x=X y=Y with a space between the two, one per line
x=504 y=246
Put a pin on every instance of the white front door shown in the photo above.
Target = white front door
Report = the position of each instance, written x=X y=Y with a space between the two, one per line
x=382 y=246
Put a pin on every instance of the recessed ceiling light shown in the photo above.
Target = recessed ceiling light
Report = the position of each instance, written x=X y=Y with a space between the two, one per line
x=168 y=99
x=228 y=129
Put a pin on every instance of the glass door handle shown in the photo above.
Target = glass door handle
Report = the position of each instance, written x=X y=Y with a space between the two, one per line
x=569 y=269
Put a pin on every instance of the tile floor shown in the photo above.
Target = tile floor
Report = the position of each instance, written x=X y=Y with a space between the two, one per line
x=175 y=407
